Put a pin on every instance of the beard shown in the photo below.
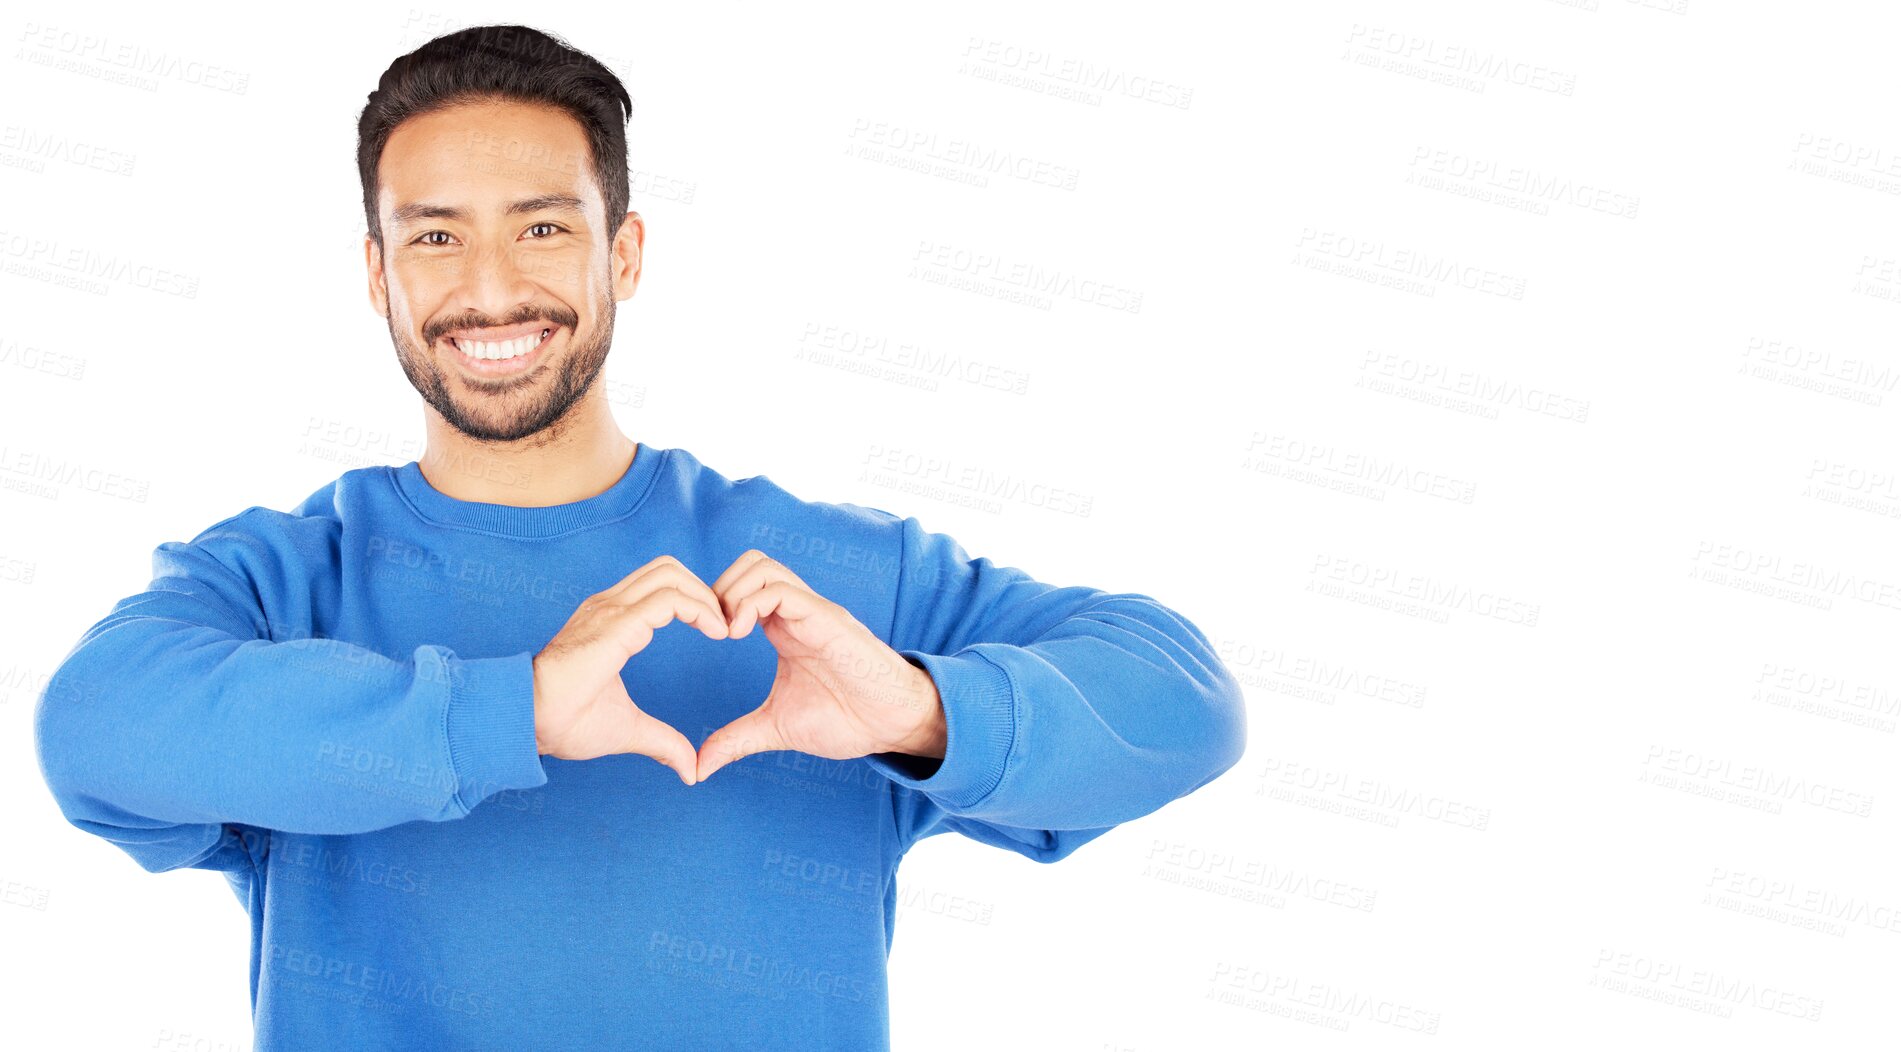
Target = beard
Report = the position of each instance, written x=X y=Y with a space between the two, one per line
x=517 y=407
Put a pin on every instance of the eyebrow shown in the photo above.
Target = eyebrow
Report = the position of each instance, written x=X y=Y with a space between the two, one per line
x=410 y=213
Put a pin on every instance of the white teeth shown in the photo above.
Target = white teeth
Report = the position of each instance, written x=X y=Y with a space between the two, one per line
x=504 y=349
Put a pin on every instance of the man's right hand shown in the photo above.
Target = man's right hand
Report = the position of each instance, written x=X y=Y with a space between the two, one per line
x=581 y=706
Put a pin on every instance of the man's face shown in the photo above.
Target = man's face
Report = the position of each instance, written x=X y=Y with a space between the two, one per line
x=493 y=244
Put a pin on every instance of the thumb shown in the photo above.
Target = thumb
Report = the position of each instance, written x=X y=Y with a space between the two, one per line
x=656 y=738
x=751 y=733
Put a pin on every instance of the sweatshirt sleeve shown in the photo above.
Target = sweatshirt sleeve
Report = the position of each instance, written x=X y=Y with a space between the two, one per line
x=177 y=725
x=1069 y=710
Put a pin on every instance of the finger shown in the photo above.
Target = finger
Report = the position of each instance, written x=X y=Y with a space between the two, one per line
x=616 y=632
x=746 y=559
x=751 y=733
x=661 y=572
x=637 y=621
x=794 y=603
x=659 y=740
x=658 y=562
x=749 y=573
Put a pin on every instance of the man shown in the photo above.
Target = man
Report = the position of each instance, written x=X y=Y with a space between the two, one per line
x=415 y=720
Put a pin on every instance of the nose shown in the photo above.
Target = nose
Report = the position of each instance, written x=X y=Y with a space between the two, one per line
x=496 y=279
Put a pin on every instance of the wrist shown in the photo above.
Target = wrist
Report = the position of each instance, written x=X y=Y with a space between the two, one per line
x=541 y=747
x=932 y=734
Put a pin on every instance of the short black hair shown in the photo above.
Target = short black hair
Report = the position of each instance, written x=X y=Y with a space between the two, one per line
x=501 y=63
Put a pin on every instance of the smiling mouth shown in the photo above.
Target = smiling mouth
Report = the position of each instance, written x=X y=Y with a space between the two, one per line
x=502 y=357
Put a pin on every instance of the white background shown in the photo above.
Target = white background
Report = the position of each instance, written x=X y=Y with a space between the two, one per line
x=1450 y=316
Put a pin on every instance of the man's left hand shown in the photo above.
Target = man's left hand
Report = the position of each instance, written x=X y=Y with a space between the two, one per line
x=839 y=692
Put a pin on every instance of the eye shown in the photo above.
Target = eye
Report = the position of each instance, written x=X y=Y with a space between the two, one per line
x=432 y=233
x=550 y=226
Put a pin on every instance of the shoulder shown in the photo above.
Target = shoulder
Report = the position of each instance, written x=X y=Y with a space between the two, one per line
x=266 y=545
x=840 y=548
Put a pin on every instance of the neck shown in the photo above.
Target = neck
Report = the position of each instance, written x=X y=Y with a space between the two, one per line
x=579 y=456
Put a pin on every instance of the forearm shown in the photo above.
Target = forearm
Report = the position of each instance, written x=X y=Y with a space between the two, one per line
x=1120 y=710
x=153 y=721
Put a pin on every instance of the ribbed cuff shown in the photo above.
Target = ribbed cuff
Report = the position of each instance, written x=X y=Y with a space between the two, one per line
x=979 y=730
x=492 y=726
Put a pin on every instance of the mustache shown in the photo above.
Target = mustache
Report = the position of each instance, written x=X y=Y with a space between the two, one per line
x=554 y=316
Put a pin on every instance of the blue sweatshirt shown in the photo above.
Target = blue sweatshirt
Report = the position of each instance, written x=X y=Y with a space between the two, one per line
x=334 y=708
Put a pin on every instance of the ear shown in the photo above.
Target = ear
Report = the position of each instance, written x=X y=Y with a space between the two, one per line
x=630 y=243
x=379 y=285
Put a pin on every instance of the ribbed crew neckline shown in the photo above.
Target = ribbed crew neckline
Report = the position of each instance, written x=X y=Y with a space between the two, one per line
x=616 y=502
